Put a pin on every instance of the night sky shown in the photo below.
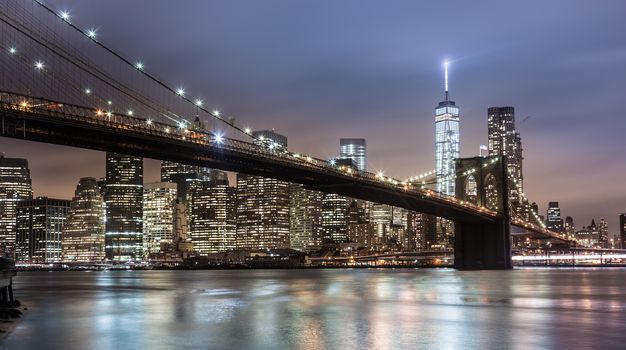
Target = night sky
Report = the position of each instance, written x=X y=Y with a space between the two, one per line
x=320 y=70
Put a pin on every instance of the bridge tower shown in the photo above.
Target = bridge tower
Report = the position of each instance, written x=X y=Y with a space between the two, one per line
x=483 y=245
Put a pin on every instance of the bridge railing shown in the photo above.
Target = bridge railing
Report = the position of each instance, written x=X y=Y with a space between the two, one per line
x=188 y=133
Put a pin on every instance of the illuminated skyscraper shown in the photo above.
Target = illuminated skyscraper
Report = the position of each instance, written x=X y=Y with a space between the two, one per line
x=554 y=221
x=334 y=218
x=622 y=229
x=15 y=185
x=446 y=141
x=354 y=149
x=40 y=223
x=305 y=218
x=159 y=200
x=83 y=232
x=123 y=197
x=505 y=141
x=213 y=217
x=263 y=205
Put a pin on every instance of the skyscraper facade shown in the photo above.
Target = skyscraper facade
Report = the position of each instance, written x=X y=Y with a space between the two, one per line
x=334 y=218
x=83 y=232
x=159 y=200
x=305 y=218
x=40 y=224
x=554 y=221
x=213 y=219
x=354 y=149
x=263 y=205
x=15 y=185
x=446 y=141
x=123 y=197
x=622 y=229
x=505 y=141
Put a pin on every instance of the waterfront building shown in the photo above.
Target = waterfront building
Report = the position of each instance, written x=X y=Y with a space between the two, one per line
x=213 y=219
x=503 y=140
x=334 y=218
x=83 y=232
x=554 y=221
x=15 y=185
x=569 y=226
x=159 y=200
x=360 y=229
x=123 y=197
x=622 y=229
x=421 y=231
x=263 y=204
x=305 y=218
x=381 y=216
x=39 y=228
x=603 y=237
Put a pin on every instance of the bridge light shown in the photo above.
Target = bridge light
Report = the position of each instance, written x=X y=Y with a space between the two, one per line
x=309 y=159
x=130 y=112
x=167 y=130
x=24 y=104
x=216 y=112
x=109 y=102
x=12 y=50
x=271 y=146
x=199 y=102
x=65 y=15
x=39 y=65
x=88 y=91
x=247 y=130
x=333 y=162
x=181 y=125
x=109 y=114
x=139 y=65
x=91 y=33
x=219 y=138
x=149 y=122
x=99 y=112
x=180 y=91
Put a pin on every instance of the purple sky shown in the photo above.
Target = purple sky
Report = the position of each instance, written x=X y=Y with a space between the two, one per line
x=320 y=70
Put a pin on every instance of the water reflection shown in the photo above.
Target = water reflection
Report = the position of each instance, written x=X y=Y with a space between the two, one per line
x=321 y=309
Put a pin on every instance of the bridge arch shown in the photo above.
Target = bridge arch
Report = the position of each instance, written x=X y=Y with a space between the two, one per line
x=491 y=192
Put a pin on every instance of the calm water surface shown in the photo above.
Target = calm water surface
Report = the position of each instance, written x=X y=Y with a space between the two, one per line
x=322 y=309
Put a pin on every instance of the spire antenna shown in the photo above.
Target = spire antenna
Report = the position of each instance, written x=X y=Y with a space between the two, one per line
x=445 y=66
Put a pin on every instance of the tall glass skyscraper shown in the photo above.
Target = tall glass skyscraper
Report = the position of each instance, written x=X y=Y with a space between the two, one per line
x=83 y=233
x=15 y=185
x=40 y=222
x=505 y=141
x=354 y=149
x=123 y=195
x=159 y=200
x=446 y=141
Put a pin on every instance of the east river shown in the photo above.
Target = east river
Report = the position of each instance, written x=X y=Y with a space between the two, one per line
x=322 y=309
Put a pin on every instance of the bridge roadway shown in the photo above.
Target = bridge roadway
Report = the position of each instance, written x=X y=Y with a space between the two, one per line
x=38 y=119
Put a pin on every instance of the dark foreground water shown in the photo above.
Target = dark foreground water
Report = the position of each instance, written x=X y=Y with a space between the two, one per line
x=322 y=309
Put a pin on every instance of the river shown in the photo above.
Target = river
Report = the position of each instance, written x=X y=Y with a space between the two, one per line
x=322 y=309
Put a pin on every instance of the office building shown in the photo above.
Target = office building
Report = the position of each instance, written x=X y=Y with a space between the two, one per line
x=305 y=218
x=354 y=149
x=622 y=229
x=123 y=197
x=15 y=185
x=554 y=221
x=39 y=228
x=83 y=232
x=334 y=218
x=263 y=204
x=505 y=141
x=159 y=200
x=447 y=146
x=213 y=217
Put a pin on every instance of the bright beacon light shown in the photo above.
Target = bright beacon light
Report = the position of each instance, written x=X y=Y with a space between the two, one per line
x=180 y=91
x=446 y=63
x=219 y=138
x=39 y=65
x=65 y=15
x=91 y=33
x=12 y=50
x=139 y=65
x=216 y=113
x=199 y=102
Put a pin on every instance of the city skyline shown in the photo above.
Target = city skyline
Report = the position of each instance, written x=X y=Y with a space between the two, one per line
x=402 y=144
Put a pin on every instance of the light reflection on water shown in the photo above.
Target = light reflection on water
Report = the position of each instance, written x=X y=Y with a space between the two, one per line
x=321 y=309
